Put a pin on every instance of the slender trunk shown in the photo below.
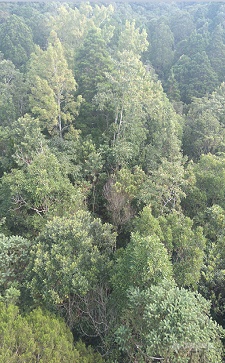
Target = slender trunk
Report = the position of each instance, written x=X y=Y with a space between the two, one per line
x=59 y=119
x=114 y=135
x=93 y=196
x=120 y=123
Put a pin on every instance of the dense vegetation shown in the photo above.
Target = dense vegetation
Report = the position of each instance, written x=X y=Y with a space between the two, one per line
x=112 y=194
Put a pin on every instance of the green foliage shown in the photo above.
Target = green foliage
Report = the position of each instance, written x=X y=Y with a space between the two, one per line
x=181 y=24
x=161 y=52
x=172 y=87
x=142 y=113
x=204 y=127
x=216 y=51
x=170 y=323
x=70 y=258
x=184 y=243
x=195 y=76
x=13 y=93
x=72 y=25
x=112 y=144
x=92 y=62
x=209 y=187
x=16 y=339
x=122 y=94
x=132 y=39
x=37 y=19
x=37 y=337
x=87 y=354
x=165 y=187
x=52 y=87
x=14 y=258
x=26 y=140
x=164 y=130
x=203 y=132
x=212 y=276
x=146 y=224
x=187 y=250
x=16 y=40
x=37 y=192
x=53 y=339
x=143 y=263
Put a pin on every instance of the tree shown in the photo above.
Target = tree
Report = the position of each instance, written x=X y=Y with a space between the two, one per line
x=216 y=51
x=144 y=121
x=166 y=323
x=16 y=41
x=16 y=339
x=208 y=185
x=13 y=98
x=37 y=337
x=203 y=131
x=161 y=52
x=37 y=19
x=185 y=244
x=14 y=258
x=73 y=25
x=212 y=283
x=172 y=89
x=164 y=187
x=121 y=94
x=204 y=127
x=37 y=192
x=54 y=341
x=195 y=76
x=22 y=141
x=69 y=272
x=181 y=24
x=197 y=42
x=92 y=62
x=121 y=190
x=144 y=262
x=52 y=88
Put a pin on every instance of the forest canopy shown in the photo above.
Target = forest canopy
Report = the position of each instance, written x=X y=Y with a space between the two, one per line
x=112 y=182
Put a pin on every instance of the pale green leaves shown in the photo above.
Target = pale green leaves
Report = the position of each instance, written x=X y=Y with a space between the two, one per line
x=52 y=87
x=144 y=262
x=169 y=323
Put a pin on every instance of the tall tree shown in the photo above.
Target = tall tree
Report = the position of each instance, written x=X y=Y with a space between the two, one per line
x=52 y=87
x=16 y=40
x=208 y=187
x=181 y=24
x=195 y=76
x=137 y=101
x=13 y=96
x=91 y=64
x=203 y=129
x=216 y=52
x=161 y=51
x=72 y=25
